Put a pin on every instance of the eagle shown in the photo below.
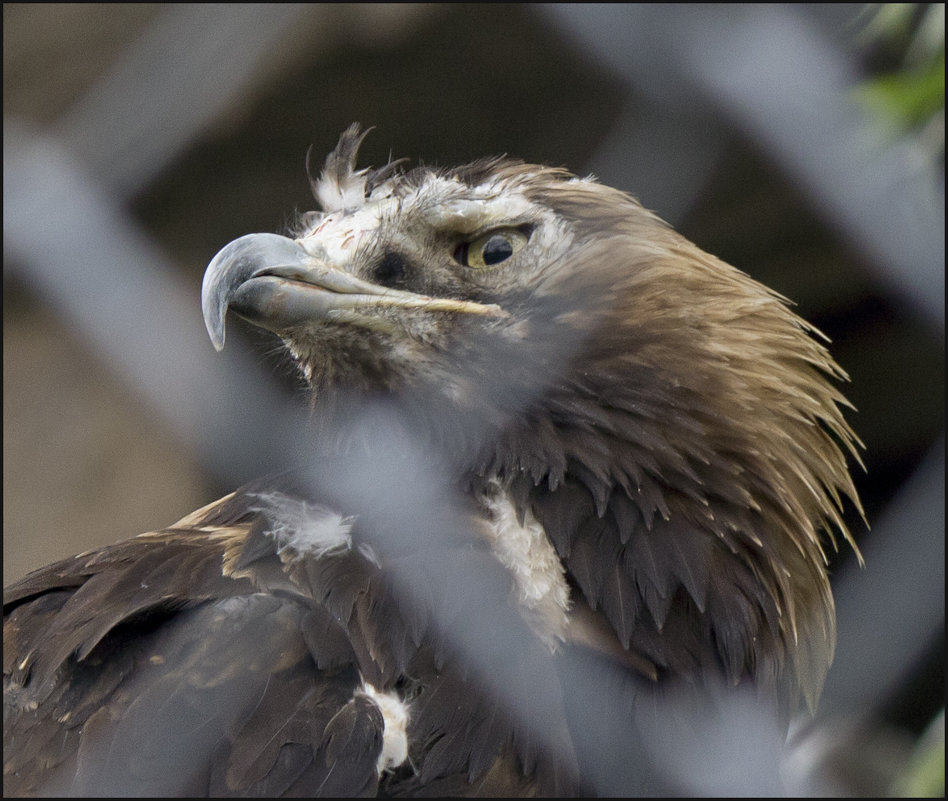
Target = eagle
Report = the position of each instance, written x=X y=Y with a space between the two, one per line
x=566 y=482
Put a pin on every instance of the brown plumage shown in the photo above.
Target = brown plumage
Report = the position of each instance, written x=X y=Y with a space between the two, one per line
x=634 y=456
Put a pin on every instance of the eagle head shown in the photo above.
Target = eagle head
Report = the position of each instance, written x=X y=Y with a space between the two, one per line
x=417 y=285
x=670 y=423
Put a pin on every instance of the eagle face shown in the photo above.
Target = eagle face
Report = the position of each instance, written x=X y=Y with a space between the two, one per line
x=639 y=454
x=421 y=284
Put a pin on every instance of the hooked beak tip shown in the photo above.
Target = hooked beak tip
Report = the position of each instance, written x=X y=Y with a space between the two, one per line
x=215 y=312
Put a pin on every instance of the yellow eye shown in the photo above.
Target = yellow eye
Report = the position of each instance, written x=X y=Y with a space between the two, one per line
x=492 y=248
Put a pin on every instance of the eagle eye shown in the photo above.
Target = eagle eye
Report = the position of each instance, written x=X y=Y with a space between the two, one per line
x=492 y=248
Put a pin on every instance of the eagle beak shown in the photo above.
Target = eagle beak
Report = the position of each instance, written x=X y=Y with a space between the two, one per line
x=273 y=282
x=232 y=267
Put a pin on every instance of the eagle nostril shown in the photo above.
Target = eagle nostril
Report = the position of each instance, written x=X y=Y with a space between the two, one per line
x=391 y=270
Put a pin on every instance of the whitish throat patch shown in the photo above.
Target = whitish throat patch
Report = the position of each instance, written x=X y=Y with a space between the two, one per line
x=538 y=574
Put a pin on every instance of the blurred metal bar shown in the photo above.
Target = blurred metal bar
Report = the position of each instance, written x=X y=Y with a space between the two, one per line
x=891 y=607
x=792 y=92
x=663 y=157
x=185 y=72
x=123 y=295
x=787 y=87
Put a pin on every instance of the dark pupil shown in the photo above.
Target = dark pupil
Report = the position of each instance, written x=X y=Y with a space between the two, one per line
x=496 y=250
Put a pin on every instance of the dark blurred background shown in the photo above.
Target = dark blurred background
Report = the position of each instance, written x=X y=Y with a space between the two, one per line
x=799 y=143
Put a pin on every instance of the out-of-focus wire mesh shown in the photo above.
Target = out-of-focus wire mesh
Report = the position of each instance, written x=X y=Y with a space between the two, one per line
x=129 y=163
